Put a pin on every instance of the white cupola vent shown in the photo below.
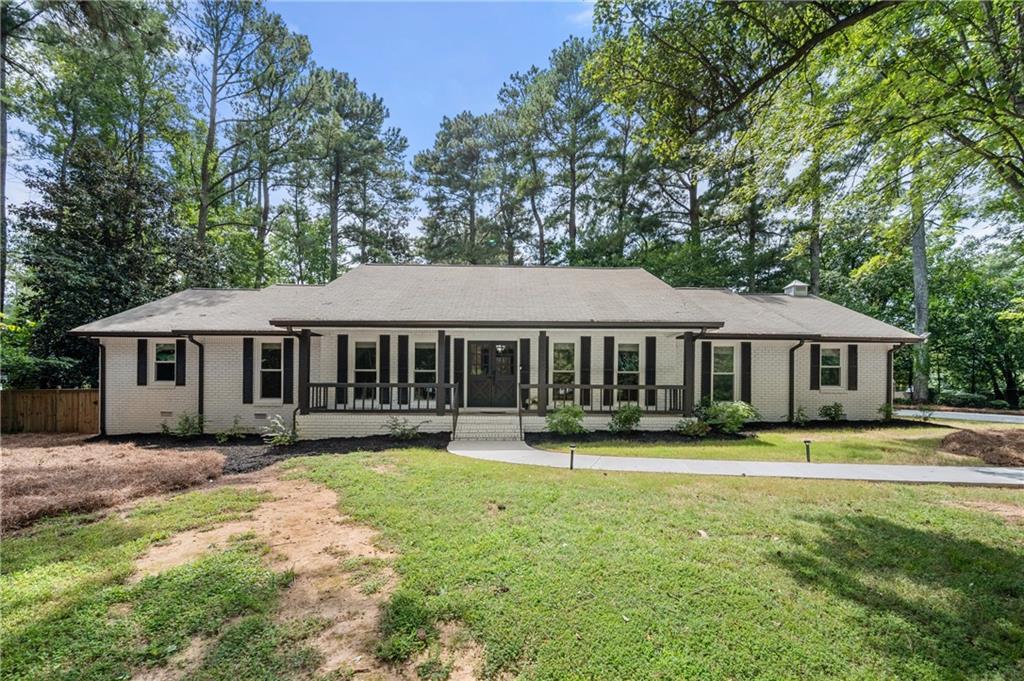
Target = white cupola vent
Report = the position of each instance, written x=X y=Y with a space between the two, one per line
x=796 y=288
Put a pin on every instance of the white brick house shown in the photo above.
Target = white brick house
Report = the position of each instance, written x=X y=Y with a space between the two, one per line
x=383 y=340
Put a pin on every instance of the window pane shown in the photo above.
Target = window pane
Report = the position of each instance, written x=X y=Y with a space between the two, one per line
x=165 y=371
x=723 y=362
x=722 y=388
x=830 y=357
x=830 y=376
x=270 y=384
x=366 y=356
x=564 y=357
x=629 y=358
x=563 y=378
x=424 y=377
x=425 y=357
x=165 y=352
x=270 y=355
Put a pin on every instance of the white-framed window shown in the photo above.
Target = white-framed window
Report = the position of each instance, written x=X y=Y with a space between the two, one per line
x=365 y=368
x=628 y=370
x=723 y=373
x=165 y=360
x=424 y=369
x=563 y=370
x=831 y=367
x=271 y=371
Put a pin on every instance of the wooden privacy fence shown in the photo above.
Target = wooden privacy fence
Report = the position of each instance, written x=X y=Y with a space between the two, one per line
x=50 y=411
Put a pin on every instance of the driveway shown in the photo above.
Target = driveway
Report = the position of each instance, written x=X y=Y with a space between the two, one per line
x=522 y=453
x=962 y=416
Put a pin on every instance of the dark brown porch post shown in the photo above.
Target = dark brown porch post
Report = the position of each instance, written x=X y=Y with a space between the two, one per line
x=440 y=397
x=304 y=371
x=689 y=350
x=542 y=374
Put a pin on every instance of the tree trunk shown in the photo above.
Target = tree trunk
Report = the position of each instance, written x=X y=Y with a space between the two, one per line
x=3 y=170
x=333 y=201
x=751 y=255
x=263 y=229
x=471 y=236
x=919 y=256
x=572 y=209
x=209 y=149
x=1012 y=394
x=541 y=243
x=693 y=210
x=814 y=248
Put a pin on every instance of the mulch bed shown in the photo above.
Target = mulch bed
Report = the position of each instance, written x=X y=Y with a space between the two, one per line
x=994 y=447
x=250 y=453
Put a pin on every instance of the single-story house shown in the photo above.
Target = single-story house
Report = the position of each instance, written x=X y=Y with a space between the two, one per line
x=441 y=344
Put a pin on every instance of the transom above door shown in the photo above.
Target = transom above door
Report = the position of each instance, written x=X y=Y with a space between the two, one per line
x=492 y=374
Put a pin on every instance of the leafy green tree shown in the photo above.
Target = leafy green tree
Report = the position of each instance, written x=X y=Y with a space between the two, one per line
x=99 y=240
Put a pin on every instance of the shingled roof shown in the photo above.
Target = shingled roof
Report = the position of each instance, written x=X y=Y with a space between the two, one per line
x=459 y=295
x=493 y=296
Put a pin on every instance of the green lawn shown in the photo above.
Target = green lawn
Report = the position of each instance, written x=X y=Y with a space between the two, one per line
x=577 y=575
x=850 y=445
x=69 y=613
x=560 y=575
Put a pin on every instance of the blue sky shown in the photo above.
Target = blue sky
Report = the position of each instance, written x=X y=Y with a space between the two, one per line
x=431 y=59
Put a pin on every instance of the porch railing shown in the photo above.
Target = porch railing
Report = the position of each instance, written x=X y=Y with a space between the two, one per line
x=385 y=398
x=595 y=398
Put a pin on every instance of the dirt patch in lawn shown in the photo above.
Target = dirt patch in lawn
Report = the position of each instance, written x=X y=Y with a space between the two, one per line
x=994 y=447
x=1011 y=513
x=46 y=474
x=341 y=573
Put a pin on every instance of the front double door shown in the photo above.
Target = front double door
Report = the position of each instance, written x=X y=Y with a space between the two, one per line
x=492 y=374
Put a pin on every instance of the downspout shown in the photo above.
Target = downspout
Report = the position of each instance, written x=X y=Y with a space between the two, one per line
x=792 y=377
x=103 y=384
x=202 y=371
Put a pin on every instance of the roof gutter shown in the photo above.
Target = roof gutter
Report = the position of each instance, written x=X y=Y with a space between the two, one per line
x=510 y=324
x=103 y=384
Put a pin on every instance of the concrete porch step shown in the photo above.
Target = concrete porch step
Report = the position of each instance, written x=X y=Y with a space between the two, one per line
x=501 y=427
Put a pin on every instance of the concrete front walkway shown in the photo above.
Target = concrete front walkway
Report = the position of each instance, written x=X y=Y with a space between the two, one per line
x=962 y=416
x=522 y=453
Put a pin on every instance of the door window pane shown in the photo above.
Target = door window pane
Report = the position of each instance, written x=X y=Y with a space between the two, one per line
x=724 y=374
x=270 y=371
x=366 y=369
x=831 y=367
x=166 y=360
x=563 y=365
x=629 y=370
x=424 y=364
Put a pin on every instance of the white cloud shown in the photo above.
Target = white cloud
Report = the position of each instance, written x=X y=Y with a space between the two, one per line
x=584 y=16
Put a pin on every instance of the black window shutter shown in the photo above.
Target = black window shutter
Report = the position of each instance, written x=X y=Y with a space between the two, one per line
x=403 y=368
x=447 y=358
x=745 y=358
x=851 y=359
x=247 y=370
x=385 y=367
x=524 y=371
x=142 y=361
x=705 y=370
x=287 y=370
x=609 y=368
x=179 y=362
x=650 y=363
x=585 y=369
x=459 y=360
x=815 y=366
x=341 y=394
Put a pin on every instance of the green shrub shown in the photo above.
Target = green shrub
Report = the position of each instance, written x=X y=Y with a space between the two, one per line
x=961 y=398
x=566 y=420
x=886 y=411
x=832 y=412
x=693 y=428
x=402 y=428
x=999 y=404
x=406 y=627
x=729 y=417
x=189 y=425
x=234 y=432
x=625 y=419
x=280 y=434
x=800 y=417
